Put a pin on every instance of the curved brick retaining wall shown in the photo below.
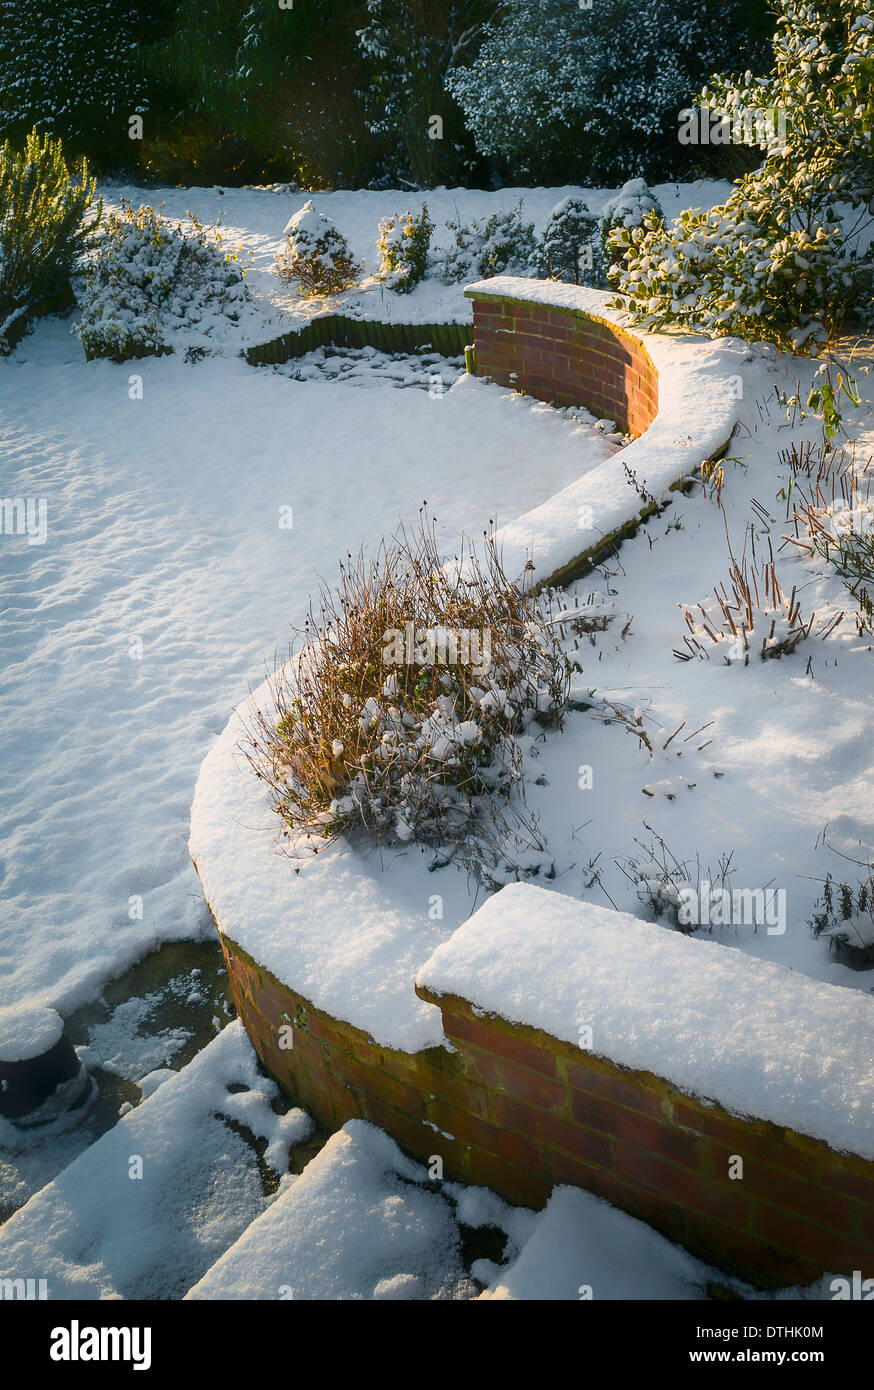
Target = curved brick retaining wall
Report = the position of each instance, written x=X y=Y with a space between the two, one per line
x=566 y=356
x=676 y=395
x=517 y=1110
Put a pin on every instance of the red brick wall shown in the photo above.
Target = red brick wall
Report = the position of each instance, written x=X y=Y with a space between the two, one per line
x=568 y=358
x=516 y=1110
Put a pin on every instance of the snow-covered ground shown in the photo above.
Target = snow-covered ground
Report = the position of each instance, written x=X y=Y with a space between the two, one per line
x=167 y=581
x=359 y=1222
x=187 y=525
x=788 y=748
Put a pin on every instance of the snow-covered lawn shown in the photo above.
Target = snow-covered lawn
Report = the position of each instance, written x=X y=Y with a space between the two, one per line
x=165 y=585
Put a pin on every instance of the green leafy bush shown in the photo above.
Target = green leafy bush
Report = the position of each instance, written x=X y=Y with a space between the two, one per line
x=495 y=245
x=73 y=69
x=558 y=92
x=404 y=242
x=47 y=220
x=779 y=260
x=150 y=280
x=406 y=52
x=316 y=257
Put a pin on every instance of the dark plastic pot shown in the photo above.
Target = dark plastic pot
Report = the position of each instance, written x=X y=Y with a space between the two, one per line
x=27 y=1083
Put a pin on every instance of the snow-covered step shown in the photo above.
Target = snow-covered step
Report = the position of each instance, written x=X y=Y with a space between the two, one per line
x=145 y=1210
x=357 y=1223
x=363 y=1221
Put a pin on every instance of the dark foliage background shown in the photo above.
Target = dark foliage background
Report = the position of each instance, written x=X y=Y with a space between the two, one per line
x=340 y=93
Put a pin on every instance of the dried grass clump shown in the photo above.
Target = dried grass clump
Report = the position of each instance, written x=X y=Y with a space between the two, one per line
x=752 y=614
x=833 y=518
x=844 y=915
x=400 y=713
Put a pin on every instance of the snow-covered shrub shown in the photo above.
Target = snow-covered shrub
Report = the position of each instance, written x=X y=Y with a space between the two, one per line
x=497 y=245
x=47 y=221
x=570 y=248
x=619 y=217
x=149 y=279
x=563 y=93
x=402 y=713
x=774 y=262
x=845 y=916
x=752 y=615
x=316 y=257
x=404 y=242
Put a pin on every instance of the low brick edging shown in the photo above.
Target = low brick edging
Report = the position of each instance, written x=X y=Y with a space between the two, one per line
x=338 y=330
x=566 y=356
x=514 y=1109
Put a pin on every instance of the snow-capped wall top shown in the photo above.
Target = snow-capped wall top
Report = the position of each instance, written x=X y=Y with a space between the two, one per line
x=759 y=1039
x=699 y=386
x=554 y=294
x=28 y=1032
